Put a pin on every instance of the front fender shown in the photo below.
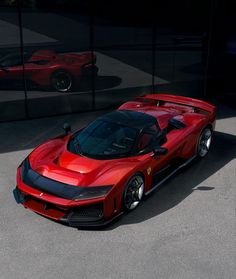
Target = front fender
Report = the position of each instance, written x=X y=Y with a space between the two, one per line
x=118 y=176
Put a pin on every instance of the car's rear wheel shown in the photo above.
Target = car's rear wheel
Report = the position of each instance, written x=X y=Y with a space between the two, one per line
x=204 y=142
x=133 y=192
x=62 y=81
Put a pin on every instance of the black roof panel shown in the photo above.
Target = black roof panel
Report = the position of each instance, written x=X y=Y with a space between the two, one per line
x=130 y=118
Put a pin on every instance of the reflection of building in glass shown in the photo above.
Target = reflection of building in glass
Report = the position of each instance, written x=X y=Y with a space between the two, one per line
x=50 y=48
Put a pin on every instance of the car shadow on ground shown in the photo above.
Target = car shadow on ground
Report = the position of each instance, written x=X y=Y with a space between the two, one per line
x=175 y=190
x=179 y=187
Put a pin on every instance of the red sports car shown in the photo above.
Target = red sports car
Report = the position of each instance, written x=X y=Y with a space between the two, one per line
x=92 y=176
x=47 y=69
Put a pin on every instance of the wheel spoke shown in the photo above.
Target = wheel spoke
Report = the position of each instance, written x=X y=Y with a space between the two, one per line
x=129 y=199
x=62 y=81
x=136 y=196
x=129 y=195
x=207 y=136
x=205 y=142
x=134 y=192
x=204 y=146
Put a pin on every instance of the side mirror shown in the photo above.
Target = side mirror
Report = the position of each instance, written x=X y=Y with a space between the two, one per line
x=160 y=151
x=66 y=128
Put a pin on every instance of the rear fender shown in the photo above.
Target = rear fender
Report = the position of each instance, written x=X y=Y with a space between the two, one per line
x=195 y=124
x=197 y=105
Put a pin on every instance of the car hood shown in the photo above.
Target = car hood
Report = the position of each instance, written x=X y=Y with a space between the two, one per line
x=53 y=160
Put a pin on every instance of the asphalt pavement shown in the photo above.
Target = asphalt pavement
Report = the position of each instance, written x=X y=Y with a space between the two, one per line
x=186 y=229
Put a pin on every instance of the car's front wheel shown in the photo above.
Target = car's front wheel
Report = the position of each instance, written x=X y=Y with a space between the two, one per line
x=62 y=81
x=133 y=192
x=204 y=142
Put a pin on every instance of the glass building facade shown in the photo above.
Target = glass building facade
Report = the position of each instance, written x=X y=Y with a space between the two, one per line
x=65 y=56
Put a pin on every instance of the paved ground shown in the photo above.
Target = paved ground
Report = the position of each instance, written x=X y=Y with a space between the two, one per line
x=186 y=229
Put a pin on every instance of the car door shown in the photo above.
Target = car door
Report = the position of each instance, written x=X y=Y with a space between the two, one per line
x=149 y=139
x=162 y=165
x=38 y=71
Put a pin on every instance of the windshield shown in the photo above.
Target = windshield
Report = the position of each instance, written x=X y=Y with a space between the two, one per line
x=104 y=140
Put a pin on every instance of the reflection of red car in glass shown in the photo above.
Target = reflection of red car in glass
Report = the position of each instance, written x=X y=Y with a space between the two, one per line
x=61 y=72
x=92 y=176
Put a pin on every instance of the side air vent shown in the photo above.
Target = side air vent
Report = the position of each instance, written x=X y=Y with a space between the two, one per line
x=176 y=124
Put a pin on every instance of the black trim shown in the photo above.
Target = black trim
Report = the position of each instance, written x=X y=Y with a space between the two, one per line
x=135 y=119
x=19 y=196
x=157 y=184
x=98 y=223
x=93 y=218
x=56 y=188
x=85 y=214
x=168 y=169
x=176 y=123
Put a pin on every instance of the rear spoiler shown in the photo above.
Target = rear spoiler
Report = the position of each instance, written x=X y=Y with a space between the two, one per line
x=186 y=101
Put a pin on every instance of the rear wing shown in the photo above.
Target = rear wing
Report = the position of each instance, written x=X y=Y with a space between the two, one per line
x=198 y=105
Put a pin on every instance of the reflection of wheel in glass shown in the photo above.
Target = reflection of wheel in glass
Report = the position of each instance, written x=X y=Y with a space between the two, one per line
x=204 y=142
x=62 y=81
x=133 y=192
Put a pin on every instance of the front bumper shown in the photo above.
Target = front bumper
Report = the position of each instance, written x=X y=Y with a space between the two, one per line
x=89 y=215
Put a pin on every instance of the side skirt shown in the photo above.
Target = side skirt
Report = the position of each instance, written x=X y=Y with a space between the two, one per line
x=173 y=171
x=91 y=224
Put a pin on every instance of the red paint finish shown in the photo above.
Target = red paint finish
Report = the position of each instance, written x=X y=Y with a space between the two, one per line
x=42 y=64
x=54 y=161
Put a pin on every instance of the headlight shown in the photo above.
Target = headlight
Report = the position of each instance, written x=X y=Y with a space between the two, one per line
x=92 y=192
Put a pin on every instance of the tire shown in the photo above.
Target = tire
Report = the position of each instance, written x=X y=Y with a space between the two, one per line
x=204 y=142
x=133 y=192
x=62 y=81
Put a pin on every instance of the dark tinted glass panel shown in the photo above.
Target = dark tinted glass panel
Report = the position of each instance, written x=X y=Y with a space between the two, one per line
x=222 y=55
x=227 y=76
x=124 y=49
x=123 y=75
x=59 y=69
x=181 y=46
x=79 y=55
x=12 y=97
x=104 y=139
